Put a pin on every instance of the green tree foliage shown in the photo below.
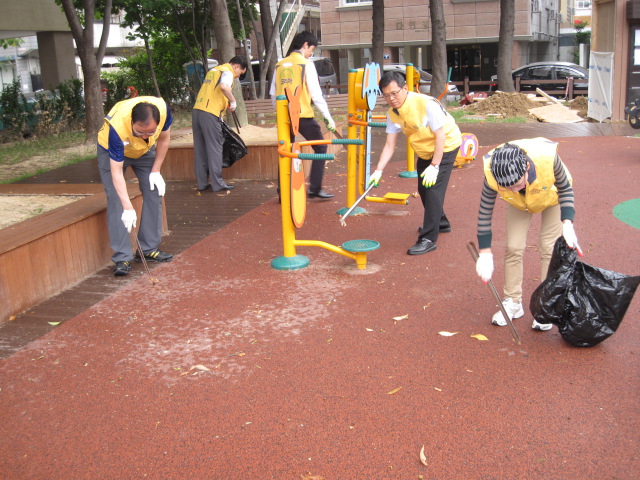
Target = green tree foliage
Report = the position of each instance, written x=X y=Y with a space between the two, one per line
x=10 y=42
x=169 y=57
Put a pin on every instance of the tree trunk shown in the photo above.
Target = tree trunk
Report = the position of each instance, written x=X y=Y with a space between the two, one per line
x=90 y=60
x=227 y=47
x=260 y=47
x=252 y=86
x=377 y=39
x=151 y=69
x=271 y=56
x=439 y=48
x=505 y=45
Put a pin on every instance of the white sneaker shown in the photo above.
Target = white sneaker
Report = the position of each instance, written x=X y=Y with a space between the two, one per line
x=514 y=310
x=542 y=327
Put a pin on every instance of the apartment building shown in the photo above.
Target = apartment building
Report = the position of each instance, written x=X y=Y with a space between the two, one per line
x=472 y=29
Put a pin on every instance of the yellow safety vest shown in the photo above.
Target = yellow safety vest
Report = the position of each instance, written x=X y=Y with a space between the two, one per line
x=120 y=119
x=542 y=192
x=290 y=72
x=412 y=118
x=210 y=97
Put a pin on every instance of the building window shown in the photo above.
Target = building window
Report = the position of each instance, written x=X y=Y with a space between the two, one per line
x=355 y=2
x=583 y=4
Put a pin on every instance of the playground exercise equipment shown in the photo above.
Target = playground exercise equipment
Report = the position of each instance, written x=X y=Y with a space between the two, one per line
x=362 y=98
x=293 y=202
x=468 y=150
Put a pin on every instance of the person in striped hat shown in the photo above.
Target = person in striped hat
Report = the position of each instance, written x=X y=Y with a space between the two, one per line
x=530 y=176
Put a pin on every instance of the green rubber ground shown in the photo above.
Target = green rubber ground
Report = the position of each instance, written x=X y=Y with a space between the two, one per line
x=628 y=212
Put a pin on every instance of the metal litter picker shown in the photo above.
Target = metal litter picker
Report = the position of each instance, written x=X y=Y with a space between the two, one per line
x=342 y=222
x=152 y=280
x=474 y=253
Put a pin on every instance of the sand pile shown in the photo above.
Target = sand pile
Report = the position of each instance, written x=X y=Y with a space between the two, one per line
x=505 y=104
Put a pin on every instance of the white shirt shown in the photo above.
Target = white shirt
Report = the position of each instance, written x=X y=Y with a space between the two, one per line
x=436 y=118
x=313 y=86
x=227 y=78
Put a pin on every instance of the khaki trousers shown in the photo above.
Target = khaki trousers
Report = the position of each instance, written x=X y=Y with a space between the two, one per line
x=518 y=223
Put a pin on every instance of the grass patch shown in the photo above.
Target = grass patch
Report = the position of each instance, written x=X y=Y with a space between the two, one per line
x=19 y=151
x=23 y=176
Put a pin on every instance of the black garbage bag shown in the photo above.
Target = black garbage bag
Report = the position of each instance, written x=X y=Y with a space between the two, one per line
x=586 y=303
x=233 y=148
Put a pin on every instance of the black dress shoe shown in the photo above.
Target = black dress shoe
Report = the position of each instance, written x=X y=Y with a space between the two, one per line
x=320 y=194
x=225 y=188
x=424 y=245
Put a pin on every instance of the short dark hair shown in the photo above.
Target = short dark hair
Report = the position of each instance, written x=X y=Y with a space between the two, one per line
x=392 y=76
x=143 y=112
x=239 y=60
x=304 y=37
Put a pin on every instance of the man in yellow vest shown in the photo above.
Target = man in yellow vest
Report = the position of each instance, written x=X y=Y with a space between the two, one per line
x=214 y=97
x=296 y=70
x=435 y=138
x=531 y=178
x=136 y=134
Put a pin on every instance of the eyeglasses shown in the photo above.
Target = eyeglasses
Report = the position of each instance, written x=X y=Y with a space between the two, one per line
x=389 y=95
x=142 y=134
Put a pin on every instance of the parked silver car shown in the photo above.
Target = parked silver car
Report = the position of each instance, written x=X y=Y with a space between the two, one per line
x=550 y=71
x=425 y=81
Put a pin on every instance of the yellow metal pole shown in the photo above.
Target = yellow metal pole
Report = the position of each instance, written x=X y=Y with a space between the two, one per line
x=284 y=166
x=410 y=153
x=352 y=133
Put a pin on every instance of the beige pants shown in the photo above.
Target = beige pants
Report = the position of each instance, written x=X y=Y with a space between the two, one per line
x=518 y=223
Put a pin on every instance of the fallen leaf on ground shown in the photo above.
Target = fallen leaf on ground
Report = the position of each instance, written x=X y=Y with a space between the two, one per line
x=403 y=317
x=438 y=389
x=369 y=329
x=394 y=391
x=448 y=334
x=202 y=368
x=480 y=337
x=423 y=457
x=54 y=323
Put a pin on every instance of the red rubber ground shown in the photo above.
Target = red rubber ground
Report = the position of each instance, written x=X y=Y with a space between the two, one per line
x=229 y=369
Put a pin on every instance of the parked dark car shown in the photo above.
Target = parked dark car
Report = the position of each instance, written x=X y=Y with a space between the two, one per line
x=550 y=71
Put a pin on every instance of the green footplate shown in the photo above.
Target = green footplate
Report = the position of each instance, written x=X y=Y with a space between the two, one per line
x=361 y=245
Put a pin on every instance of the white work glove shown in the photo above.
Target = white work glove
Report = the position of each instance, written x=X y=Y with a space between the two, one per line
x=331 y=124
x=569 y=235
x=232 y=106
x=156 y=180
x=375 y=178
x=129 y=219
x=429 y=176
x=484 y=266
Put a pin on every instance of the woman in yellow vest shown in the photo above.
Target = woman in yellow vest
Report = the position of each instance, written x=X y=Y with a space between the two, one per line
x=136 y=134
x=529 y=175
x=214 y=97
x=435 y=137
x=296 y=70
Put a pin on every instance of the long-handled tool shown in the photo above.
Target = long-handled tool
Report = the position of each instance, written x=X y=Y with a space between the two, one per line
x=152 y=280
x=474 y=253
x=235 y=119
x=342 y=222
